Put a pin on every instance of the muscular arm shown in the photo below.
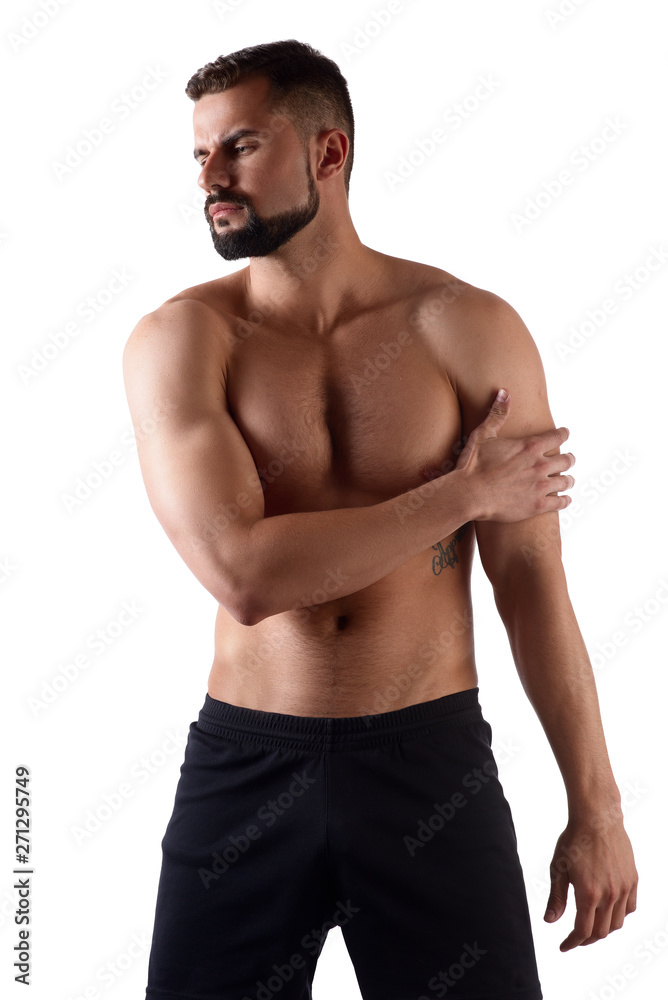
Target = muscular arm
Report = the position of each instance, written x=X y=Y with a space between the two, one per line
x=203 y=486
x=523 y=563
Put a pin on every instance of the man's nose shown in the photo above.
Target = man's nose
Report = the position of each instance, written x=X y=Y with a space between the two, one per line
x=217 y=171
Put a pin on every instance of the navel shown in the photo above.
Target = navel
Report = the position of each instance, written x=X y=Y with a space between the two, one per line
x=341 y=621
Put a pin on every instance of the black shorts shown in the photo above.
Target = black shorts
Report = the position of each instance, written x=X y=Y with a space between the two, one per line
x=393 y=827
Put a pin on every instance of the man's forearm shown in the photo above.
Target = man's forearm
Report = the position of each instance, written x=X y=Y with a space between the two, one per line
x=556 y=673
x=297 y=560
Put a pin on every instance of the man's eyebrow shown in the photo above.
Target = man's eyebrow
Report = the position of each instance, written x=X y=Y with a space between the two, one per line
x=228 y=140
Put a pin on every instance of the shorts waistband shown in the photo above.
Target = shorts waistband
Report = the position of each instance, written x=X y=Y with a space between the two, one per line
x=328 y=733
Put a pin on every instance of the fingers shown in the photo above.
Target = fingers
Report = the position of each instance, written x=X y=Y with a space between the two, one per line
x=620 y=910
x=552 y=438
x=602 y=924
x=584 y=923
x=563 y=461
x=594 y=922
x=561 y=483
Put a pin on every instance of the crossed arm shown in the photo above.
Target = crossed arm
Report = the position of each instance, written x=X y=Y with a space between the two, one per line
x=523 y=562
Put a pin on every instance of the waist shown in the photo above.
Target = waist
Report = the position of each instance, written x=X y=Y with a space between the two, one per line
x=288 y=731
x=383 y=655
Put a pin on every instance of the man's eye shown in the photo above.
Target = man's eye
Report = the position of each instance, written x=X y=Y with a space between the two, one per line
x=237 y=149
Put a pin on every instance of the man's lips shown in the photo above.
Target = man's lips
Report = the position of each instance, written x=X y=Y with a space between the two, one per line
x=223 y=208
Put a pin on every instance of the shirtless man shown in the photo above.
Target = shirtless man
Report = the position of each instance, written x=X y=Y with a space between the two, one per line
x=327 y=448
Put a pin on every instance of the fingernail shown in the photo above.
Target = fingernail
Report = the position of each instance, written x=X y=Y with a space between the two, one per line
x=502 y=395
x=550 y=914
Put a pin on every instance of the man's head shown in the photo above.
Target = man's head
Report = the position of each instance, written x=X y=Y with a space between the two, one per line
x=290 y=96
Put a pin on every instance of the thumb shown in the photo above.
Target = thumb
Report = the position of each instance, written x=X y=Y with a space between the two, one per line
x=556 y=903
x=497 y=413
x=488 y=427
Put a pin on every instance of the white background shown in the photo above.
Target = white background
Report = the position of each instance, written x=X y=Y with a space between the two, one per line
x=133 y=205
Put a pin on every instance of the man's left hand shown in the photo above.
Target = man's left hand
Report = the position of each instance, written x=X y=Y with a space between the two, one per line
x=595 y=854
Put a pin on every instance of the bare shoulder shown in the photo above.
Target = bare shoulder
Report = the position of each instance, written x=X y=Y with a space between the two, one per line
x=464 y=322
x=197 y=319
x=221 y=294
x=176 y=357
x=446 y=299
x=441 y=300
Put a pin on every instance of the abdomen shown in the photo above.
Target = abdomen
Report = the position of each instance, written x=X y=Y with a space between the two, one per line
x=405 y=639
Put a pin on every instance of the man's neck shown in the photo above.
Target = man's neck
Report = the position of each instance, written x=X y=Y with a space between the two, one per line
x=315 y=278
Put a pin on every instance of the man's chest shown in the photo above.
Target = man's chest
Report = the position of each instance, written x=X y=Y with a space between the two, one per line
x=343 y=421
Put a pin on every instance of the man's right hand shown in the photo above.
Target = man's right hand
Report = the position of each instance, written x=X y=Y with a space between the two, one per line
x=510 y=479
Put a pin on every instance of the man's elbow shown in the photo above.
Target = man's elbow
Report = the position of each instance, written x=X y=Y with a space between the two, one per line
x=242 y=602
x=243 y=593
x=244 y=615
x=230 y=573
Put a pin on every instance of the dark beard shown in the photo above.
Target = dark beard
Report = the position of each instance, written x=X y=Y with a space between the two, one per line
x=260 y=237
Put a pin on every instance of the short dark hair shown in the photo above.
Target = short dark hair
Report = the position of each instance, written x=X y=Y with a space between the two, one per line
x=307 y=86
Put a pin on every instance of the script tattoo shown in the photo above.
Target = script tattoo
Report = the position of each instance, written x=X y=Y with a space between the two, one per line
x=447 y=556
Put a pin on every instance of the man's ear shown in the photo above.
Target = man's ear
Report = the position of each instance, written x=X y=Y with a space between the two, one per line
x=333 y=146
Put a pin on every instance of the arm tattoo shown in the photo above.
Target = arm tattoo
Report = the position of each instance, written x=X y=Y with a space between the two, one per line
x=447 y=556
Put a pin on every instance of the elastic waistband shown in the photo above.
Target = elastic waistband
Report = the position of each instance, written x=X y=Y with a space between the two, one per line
x=310 y=732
